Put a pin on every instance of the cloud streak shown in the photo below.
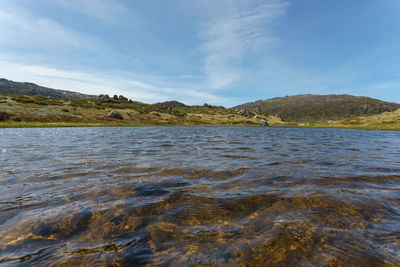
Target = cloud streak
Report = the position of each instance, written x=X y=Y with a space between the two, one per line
x=48 y=51
x=235 y=33
x=20 y=30
x=104 y=82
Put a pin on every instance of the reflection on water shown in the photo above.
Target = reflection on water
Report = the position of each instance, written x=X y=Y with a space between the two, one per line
x=199 y=195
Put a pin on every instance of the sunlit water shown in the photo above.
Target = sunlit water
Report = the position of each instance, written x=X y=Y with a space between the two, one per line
x=226 y=196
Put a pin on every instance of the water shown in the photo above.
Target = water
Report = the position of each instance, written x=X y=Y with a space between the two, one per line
x=224 y=196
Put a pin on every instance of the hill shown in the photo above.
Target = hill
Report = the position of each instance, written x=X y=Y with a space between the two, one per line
x=384 y=121
x=37 y=110
x=169 y=104
x=8 y=87
x=320 y=107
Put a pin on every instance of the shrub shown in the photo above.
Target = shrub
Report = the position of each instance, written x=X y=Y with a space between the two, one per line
x=4 y=116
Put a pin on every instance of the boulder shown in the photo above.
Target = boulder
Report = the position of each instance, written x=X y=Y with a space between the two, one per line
x=103 y=97
x=242 y=112
x=113 y=114
x=263 y=122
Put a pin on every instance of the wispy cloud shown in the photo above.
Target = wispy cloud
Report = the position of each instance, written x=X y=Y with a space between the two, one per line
x=28 y=39
x=231 y=35
x=105 y=82
x=21 y=30
x=81 y=81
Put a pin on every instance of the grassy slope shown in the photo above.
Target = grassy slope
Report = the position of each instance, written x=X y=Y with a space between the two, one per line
x=384 y=121
x=38 y=111
x=318 y=108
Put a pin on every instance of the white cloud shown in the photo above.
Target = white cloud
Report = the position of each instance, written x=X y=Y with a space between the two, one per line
x=241 y=28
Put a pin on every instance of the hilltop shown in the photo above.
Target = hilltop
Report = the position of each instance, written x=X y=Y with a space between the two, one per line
x=8 y=87
x=300 y=108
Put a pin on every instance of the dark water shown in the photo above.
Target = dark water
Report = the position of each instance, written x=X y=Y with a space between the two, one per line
x=225 y=196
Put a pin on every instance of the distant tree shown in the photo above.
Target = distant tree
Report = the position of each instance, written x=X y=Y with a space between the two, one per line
x=115 y=97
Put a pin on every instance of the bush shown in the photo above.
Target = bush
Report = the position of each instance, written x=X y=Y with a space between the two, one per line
x=37 y=99
x=177 y=113
x=4 y=116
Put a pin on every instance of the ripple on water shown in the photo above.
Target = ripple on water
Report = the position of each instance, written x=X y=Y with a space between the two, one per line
x=200 y=195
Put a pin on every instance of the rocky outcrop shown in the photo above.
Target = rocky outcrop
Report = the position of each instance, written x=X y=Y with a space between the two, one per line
x=169 y=105
x=113 y=114
x=263 y=122
x=103 y=97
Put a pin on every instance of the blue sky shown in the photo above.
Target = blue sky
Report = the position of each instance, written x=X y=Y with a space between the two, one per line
x=222 y=52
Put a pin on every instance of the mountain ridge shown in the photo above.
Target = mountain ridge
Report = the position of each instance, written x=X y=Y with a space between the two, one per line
x=8 y=87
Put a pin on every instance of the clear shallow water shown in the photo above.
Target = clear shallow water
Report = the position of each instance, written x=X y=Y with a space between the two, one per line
x=199 y=195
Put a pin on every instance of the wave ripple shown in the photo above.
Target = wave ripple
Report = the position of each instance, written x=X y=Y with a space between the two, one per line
x=225 y=196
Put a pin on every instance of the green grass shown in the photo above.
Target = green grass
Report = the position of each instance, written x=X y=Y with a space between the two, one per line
x=14 y=124
x=356 y=127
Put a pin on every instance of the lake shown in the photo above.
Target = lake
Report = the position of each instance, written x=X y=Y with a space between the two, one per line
x=226 y=196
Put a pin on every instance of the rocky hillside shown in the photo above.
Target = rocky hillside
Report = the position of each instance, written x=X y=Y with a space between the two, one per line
x=169 y=104
x=320 y=107
x=38 y=111
x=8 y=87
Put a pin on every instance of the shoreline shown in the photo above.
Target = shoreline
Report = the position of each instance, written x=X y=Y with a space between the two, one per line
x=14 y=124
x=355 y=127
x=5 y=125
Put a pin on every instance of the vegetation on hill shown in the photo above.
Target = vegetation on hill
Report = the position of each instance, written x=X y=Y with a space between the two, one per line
x=169 y=105
x=24 y=88
x=301 y=108
x=27 y=105
x=384 y=121
x=19 y=110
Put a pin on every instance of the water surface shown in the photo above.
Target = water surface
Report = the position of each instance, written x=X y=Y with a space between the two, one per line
x=226 y=196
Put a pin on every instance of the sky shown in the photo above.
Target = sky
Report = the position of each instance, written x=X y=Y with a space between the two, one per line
x=220 y=52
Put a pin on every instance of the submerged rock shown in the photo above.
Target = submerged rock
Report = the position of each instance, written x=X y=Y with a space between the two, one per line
x=263 y=122
x=113 y=114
